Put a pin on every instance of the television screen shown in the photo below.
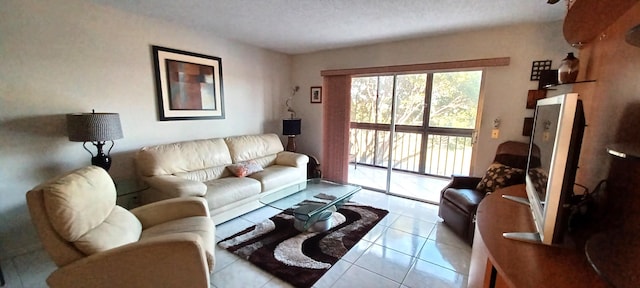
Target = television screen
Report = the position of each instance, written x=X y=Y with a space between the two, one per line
x=553 y=161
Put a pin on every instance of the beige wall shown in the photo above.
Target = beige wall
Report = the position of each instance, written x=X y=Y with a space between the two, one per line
x=505 y=88
x=69 y=56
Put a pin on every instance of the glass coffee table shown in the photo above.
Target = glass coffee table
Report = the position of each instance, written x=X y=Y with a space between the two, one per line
x=313 y=206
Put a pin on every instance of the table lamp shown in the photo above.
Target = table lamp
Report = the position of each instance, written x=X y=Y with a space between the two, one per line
x=96 y=128
x=291 y=127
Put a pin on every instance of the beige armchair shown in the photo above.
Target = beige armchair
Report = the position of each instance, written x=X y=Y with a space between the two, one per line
x=96 y=243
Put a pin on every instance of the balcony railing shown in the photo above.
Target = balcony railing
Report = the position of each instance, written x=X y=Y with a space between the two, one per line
x=441 y=154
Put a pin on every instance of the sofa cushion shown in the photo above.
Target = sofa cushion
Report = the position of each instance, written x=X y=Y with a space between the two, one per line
x=182 y=157
x=120 y=228
x=499 y=176
x=201 y=225
x=249 y=147
x=206 y=174
x=223 y=191
x=276 y=176
x=246 y=168
x=73 y=215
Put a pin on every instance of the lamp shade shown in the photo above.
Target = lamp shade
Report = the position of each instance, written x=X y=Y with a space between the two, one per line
x=83 y=127
x=291 y=126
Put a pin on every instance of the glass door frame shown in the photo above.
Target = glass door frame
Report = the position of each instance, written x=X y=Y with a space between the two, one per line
x=425 y=130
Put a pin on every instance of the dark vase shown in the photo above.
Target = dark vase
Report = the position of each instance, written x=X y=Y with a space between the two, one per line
x=568 y=70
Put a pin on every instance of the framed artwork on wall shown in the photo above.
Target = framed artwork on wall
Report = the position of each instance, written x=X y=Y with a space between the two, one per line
x=527 y=126
x=188 y=85
x=533 y=96
x=316 y=94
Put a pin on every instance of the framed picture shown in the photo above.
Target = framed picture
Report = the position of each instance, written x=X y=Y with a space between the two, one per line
x=189 y=85
x=527 y=127
x=316 y=94
x=533 y=96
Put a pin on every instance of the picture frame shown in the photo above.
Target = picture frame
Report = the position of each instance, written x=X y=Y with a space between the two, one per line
x=533 y=96
x=188 y=85
x=316 y=94
x=527 y=126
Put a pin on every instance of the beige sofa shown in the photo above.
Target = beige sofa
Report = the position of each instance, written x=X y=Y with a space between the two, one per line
x=96 y=243
x=199 y=168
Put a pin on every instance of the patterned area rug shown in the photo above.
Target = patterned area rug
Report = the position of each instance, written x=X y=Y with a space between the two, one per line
x=301 y=258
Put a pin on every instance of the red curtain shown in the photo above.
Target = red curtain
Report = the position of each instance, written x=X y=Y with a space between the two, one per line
x=335 y=127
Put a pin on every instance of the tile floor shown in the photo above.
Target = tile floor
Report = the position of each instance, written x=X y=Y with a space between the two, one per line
x=409 y=248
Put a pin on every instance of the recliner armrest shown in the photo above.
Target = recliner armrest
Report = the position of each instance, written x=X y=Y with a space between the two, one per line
x=460 y=182
x=170 y=209
x=177 y=260
x=293 y=159
x=173 y=186
x=463 y=182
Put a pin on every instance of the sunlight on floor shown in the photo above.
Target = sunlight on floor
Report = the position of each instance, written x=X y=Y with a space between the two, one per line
x=419 y=187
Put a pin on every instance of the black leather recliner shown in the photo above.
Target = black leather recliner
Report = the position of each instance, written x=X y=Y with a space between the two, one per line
x=459 y=200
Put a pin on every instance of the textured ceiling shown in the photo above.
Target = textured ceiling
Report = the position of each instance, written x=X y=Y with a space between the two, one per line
x=302 y=26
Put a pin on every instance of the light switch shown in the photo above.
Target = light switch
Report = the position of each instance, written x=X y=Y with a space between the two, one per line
x=495 y=133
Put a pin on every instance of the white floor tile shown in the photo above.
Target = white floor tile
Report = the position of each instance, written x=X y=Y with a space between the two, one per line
x=261 y=214
x=425 y=274
x=277 y=283
x=412 y=225
x=231 y=227
x=356 y=251
x=443 y=234
x=224 y=258
x=374 y=233
x=11 y=277
x=389 y=219
x=336 y=271
x=414 y=209
x=360 y=277
x=372 y=198
x=240 y=274
x=34 y=268
x=401 y=241
x=386 y=262
x=447 y=256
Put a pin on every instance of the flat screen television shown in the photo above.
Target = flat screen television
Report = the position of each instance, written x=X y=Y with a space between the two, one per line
x=557 y=136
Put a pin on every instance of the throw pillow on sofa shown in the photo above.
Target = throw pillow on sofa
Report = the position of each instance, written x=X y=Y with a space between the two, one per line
x=499 y=176
x=245 y=168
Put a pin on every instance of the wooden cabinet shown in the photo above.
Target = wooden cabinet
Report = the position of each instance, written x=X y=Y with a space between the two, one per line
x=586 y=19
x=521 y=264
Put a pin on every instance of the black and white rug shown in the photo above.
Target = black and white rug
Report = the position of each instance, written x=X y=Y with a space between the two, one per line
x=301 y=258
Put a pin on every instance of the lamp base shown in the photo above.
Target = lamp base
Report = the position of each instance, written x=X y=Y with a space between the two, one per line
x=101 y=160
x=291 y=144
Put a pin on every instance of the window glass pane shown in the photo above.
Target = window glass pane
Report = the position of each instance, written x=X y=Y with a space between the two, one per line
x=371 y=99
x=410 y=90
x=364 y=92
x=406 y=151
x=385 y=99
x=454 y=99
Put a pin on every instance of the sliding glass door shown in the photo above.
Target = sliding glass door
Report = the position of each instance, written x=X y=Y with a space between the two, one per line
x=408 y=126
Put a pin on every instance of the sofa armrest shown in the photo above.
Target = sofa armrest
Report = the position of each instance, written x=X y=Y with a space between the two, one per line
x=170 y=209
x=177 y=260
x=174 y=186
x=287 y=158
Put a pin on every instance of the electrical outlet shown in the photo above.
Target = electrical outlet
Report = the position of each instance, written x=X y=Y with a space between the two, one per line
x=495 y=133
